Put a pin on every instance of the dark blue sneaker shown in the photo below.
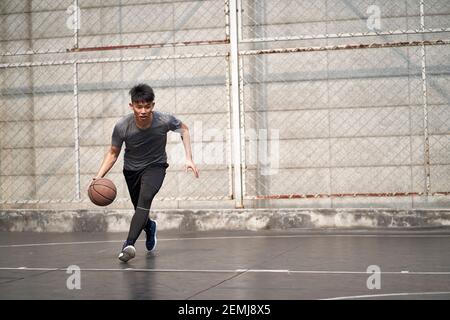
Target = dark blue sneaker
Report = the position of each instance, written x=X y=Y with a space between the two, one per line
x=150 y=230
x=128 y=252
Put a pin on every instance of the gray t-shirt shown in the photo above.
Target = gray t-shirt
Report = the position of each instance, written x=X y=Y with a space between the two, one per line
x=144 y=147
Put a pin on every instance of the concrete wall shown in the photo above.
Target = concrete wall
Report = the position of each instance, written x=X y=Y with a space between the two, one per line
x=347 y=121
x=225 y=219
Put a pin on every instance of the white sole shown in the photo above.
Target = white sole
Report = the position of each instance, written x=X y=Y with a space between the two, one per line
x=129 y=252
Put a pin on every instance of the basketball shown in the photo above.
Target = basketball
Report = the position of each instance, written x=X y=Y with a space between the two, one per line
x=102 y=192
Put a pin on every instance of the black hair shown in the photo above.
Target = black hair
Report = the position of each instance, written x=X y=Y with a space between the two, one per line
x=142 y=93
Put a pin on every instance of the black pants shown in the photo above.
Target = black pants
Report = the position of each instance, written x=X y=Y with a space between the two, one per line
x=143 y=185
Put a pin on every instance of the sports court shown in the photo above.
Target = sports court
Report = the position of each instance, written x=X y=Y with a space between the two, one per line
x=230 y=266
x=320 y=129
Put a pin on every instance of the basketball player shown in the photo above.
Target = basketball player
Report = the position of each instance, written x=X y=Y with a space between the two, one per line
x=145 y=162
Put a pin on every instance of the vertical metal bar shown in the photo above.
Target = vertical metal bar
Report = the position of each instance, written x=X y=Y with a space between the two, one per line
x=76 y=131
x=227 y=20
x=228 y=133
x=425 y=106
x=241 y=96
x=31 y=84
x=235 y=97
x=76 y=23
x=242 y=115
x=229 y=112
x=239 y=19
x=228 y=155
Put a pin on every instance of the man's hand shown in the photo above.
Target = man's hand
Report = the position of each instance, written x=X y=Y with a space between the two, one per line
x=190 y=165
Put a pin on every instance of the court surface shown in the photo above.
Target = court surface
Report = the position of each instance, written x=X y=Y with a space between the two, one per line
x=272 y=265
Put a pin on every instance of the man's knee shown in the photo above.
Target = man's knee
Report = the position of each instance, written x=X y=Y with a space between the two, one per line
x=142 y=210
x=147 y=197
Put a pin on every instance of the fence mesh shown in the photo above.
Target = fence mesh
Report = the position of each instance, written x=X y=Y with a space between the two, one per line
x=438 y=97
x=37 y=133
x=341 y=122
x=316 y=122
x=61 y=25
x=283 y=18
x=339 y=127
x=192 y=89
x=57 y=115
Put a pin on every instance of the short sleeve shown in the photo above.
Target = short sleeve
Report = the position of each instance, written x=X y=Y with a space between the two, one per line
x=174 y=123
x=117 y=137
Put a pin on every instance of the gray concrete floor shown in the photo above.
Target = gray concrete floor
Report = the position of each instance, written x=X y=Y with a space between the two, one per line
x=266 y=265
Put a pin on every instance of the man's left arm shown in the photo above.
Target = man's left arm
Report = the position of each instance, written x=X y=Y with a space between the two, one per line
x=185 y=137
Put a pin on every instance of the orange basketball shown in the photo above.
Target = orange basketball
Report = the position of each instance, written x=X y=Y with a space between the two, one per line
x=102 y=192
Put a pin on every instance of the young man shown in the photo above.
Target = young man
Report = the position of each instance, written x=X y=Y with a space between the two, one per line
x=145 y=162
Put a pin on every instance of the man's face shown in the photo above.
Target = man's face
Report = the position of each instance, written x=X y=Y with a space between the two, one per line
x=142 y=110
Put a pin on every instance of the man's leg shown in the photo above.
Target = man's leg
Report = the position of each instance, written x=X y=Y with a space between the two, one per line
x=143 y=190
x=151 y=181
x=150 y=227
x=133 y=179
x=134 y=187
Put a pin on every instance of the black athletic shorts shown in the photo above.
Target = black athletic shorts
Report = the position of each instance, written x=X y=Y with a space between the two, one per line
x=134 y=180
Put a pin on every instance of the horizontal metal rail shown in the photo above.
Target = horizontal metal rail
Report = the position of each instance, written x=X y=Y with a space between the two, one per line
x=347 y=35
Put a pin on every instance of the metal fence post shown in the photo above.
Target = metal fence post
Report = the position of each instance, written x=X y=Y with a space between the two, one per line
x=235 y=101
x=425 y=107
x=76 y=26
x=76 y=131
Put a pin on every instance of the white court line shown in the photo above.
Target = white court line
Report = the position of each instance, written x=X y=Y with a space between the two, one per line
x=228 y=271
x=236 y=237
x=57 y=243
x=126 y=270
x=263 y=270
x=388 y=295
x=33 y=269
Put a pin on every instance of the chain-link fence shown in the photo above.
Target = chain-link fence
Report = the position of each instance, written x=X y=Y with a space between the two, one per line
x=360 y=110
x=337 y=98
x=31 y=27
x=67 y=69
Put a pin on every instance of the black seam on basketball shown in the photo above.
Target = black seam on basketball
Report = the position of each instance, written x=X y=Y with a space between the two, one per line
x=104 y=185
x=90 y=192
x=93 y=188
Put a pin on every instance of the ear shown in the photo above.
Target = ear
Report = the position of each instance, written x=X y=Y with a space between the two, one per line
x=131 y=106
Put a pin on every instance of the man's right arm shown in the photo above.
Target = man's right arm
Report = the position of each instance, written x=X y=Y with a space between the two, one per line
x=108 y=162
